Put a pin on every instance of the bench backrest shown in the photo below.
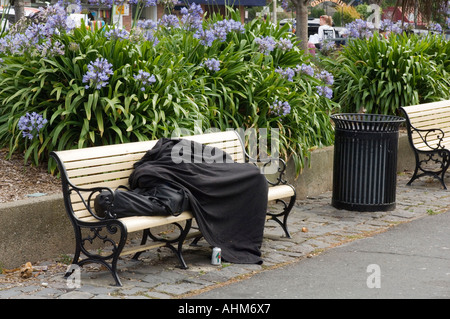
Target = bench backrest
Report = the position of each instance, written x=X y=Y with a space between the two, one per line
x=435 y=115
x=111 y=165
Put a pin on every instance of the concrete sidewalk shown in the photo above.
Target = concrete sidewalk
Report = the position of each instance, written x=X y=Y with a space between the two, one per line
x=314 y=224
x=410 y=261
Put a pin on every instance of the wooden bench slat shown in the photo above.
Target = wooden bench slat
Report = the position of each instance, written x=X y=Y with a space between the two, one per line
x=90 y=179
x=433 y=122
x=275 y=192
x=113 y=184
x=99 y=170
x=105 y=151
x=98 y=162
x=137 y=223
x=426 y=106
x=280 y=191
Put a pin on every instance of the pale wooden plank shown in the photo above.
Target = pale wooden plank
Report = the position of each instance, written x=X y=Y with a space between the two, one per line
x=280 y=191
x=91 y=179
x=426 y=106
x=137 y=223
x=111 y=183
x=99 y=170
x=432 y=121
x=213 y=137
x=104 y=151
x=104 y=161
x=135 y=249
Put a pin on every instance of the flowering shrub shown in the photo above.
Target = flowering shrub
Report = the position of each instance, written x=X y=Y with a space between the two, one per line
x=359 y=29
x=378 y=74
x=113 y=86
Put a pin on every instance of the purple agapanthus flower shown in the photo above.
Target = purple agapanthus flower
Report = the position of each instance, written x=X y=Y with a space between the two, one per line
x=212 y=64
x=145 y=78
x=360 y=29
x=284 y=44
x=98 y=73
x=110 y=3
x=217 y=31
x=192 y=17
x=266 y=44
x=304 y=68
x=51 y=48
x=117 y=34
x=280 y=108
x=388 y=26
x=435 y=27
x=146 y=29
x=206 y=37
x=326 y=77
x=57 y=19
x=147 y=24
x=324 y=91
x=169 y=20
x=287 y=73
x=31 y=124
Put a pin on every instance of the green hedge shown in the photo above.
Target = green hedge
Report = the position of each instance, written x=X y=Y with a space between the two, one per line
x=378 y=74
x=186 y=94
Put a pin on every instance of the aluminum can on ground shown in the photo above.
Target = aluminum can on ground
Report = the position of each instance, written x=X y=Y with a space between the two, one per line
x=216 y=257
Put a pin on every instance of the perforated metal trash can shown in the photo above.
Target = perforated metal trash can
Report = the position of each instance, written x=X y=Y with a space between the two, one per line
x=365 y=161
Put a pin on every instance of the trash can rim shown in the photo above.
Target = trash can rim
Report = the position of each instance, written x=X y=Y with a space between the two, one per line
x=367 y=118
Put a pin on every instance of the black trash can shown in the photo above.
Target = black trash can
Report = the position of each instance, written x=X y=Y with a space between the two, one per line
x=365 y=161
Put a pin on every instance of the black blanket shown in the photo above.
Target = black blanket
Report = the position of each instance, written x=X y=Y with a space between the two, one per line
x=228 y=199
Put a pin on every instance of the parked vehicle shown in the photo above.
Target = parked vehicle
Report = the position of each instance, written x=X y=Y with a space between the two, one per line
x=8 y=15
x=313 y=25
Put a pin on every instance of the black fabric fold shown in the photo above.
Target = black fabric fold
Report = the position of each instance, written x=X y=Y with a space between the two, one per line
x=228 y=199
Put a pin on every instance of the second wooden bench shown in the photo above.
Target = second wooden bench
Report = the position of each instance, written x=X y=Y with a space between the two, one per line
x=428 y=128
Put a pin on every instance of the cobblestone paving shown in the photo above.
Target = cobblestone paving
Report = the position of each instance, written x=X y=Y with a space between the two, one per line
x=314 y=224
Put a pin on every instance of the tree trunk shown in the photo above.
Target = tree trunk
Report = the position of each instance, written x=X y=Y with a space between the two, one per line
x=19 y=8
x=302 y=23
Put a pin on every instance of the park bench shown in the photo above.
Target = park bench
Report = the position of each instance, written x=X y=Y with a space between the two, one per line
x=86 y=172
x=428 y=127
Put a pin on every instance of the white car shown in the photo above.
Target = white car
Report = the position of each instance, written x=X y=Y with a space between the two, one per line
x=8 y=15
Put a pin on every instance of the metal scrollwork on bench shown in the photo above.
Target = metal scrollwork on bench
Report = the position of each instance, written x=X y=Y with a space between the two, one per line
x=434 y=151
x=426 y=137
x=168 y=242
x=284 y=213
x=279 y=180
x=280 y=171
x=107 y=223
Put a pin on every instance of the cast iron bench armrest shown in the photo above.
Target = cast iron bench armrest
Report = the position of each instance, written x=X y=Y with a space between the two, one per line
x=425 y=138
x=87 y=203
x=270 y=161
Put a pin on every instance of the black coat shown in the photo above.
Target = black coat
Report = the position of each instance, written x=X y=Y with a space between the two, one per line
x=228 y=199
